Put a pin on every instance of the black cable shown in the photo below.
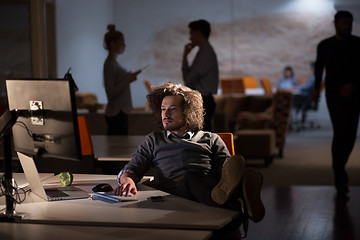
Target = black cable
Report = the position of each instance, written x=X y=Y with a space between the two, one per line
x=37 y=137
x=22 y=124
x=12 y=191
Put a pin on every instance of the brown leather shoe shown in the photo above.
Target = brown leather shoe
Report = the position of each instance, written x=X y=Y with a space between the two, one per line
x=251 y=187
x=232 y=173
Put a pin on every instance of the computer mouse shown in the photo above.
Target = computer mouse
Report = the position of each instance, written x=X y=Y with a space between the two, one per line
x=102 y=187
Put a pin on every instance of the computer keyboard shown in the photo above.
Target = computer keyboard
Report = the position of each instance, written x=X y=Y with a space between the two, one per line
x=54 y=193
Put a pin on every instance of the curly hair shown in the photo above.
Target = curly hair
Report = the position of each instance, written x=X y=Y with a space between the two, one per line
x=192 y=104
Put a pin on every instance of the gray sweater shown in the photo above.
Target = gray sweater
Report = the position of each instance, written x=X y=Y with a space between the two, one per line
x=171 y=157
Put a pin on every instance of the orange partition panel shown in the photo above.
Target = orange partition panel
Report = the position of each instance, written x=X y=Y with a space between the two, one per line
x=85 y=138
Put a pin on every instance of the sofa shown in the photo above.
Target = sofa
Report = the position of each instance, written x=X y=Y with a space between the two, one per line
x=231 y=104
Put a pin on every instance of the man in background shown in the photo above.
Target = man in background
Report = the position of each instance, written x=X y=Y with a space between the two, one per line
x=203 y=73
x=339 y=55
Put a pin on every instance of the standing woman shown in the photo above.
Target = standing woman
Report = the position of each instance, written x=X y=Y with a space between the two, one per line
x=117 y=84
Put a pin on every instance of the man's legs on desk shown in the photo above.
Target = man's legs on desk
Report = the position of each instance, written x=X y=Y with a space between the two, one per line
x=247 y=192
x=197 y=187
x=238 y=189
x=208 y=190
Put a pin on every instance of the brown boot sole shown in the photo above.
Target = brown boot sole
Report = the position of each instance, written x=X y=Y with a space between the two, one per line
x=232 y=173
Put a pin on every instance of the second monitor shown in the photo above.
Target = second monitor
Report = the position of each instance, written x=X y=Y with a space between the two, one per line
x=46 y=124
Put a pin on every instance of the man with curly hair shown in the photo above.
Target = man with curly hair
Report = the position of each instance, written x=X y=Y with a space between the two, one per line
x=189 y=162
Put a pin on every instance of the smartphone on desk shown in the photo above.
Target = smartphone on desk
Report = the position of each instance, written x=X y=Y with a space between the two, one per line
x=157 y=199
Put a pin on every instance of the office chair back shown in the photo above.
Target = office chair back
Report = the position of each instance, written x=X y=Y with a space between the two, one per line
x=266 y=85
x=300 y=81
x=228 y=139
x=249 y=82
x=232 y=85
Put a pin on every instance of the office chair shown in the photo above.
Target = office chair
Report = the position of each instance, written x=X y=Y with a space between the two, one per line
x=249 y=82
x=300 y=81
x=306 y=106
x=228 y=139
x=232 y=85
x=266 y=85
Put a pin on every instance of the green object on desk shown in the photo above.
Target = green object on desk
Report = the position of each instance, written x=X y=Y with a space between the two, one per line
x=66 y=178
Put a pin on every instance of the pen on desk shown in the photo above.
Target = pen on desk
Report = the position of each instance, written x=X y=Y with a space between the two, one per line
x=106 y=197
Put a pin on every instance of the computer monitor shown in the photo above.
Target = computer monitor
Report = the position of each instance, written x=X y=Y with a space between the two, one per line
x=47 y=124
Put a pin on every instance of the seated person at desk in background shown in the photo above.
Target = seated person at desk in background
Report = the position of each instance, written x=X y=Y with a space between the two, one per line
x=303 y=101
x=192 y=163
x=288 y=81
x=307 y=89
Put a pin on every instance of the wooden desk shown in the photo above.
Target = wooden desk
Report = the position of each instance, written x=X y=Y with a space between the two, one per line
x=115 y=148
x=17 y=231
x=173 y=213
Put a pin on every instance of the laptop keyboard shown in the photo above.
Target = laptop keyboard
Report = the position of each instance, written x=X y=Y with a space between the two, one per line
x=55 y=193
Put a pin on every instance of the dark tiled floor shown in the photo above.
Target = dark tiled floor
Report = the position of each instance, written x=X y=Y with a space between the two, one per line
x=307 y=212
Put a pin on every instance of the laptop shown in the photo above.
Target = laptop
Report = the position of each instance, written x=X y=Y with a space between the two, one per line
x=48 y=193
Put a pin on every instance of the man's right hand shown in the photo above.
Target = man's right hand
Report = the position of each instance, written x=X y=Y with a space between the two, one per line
x=188 y=47
x=126 y=186
x=132 y=76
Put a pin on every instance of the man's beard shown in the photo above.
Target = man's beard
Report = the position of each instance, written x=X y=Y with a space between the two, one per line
x=174 y=127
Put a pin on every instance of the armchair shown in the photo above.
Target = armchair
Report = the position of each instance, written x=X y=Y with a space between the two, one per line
x=276 y=117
